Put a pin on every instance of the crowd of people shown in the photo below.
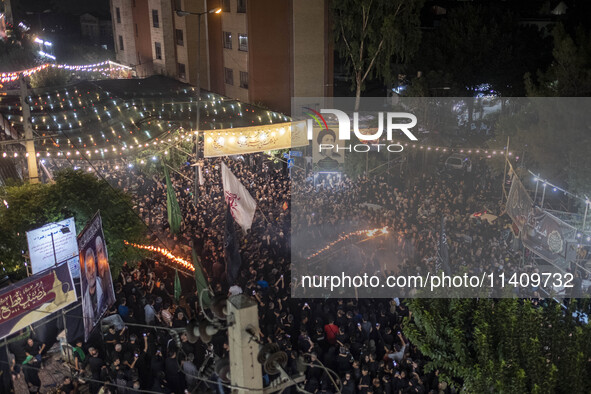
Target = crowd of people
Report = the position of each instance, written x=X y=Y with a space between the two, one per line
x=361 y=340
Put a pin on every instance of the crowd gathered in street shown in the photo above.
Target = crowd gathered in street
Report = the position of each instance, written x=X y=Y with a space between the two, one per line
x=361 y=339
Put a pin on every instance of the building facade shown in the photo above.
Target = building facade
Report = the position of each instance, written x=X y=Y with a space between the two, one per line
x=262 y=52
x=98 y=29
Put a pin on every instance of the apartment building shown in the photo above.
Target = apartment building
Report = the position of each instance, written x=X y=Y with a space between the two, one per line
x=257 y=51
x=131 y=35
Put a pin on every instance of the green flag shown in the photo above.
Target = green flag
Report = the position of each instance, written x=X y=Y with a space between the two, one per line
x=200 y=279
x=172 y=205
x=177 y=285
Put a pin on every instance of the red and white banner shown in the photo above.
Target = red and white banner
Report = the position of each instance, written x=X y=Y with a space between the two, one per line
x=241 y=203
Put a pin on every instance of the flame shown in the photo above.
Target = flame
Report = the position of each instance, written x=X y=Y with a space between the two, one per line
x=164 y=252
x=369 y=233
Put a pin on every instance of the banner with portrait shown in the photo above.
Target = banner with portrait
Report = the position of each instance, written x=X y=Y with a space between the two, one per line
x=35 y=298
x=242 y=140
x=547 y=236
x=327 y=150
x=96 y=282
x=519 y=203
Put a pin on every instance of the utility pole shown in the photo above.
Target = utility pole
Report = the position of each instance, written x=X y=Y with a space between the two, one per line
x=29 y=143
x=8 y=12
x=197 y=151
x=503 y=192
x=245 y=370
x=182 y=13
x=56 y=264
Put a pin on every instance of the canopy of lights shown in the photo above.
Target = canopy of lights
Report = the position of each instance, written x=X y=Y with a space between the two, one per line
x=101 y=120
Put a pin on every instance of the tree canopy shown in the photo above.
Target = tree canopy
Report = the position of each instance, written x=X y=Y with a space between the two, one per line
x=76 y=194
x=553 y=134
x=480 y=44
x=372 y=34
x=50 y=77
x=502 y=346
x=569 y=74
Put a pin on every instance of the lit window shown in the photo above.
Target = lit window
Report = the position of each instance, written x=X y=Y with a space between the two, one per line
x=242 y=42
x=227 y=40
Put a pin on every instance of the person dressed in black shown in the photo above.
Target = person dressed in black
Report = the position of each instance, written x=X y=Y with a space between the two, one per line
x=31 y=370
x=96 y=365
x=68 y=387
x=34 y=349
x=174 y=376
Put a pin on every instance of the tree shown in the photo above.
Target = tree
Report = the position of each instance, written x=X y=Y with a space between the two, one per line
x=553 y=135
x=502 y=346
x=50 y=77
x=14 y=56
x=370 y=34
x=478 y=49
x=76 y=194
x=569 y=75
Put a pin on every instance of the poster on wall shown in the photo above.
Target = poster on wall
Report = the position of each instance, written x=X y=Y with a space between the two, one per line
x=34 y=298
x=328 y=152
x=96 y=282
x=53 y=244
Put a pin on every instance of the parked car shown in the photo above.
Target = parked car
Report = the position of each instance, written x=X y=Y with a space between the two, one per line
x=458 y=162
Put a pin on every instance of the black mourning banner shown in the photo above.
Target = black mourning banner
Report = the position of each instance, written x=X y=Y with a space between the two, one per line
x=519 y=203
x=547 y=236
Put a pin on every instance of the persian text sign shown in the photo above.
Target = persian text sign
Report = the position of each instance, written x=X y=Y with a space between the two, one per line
x=32 y=299
x=253 y=139
x=42 y=246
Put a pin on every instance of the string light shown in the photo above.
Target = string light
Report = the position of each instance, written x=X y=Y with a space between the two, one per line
x=80 y=119
x=555 y=188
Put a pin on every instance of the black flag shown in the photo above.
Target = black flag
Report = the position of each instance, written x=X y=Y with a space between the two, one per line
x=442 y=251
x=231 y=251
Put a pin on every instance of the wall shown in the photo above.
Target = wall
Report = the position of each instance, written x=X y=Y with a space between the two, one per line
x=270 y=53
x=216 y=50
x=163 y=35
x=236 y=23
x=308 y=48
x=125 y=29
x=143 y=42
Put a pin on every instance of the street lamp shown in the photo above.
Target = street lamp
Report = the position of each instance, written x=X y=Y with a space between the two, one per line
x=182 y=13
x=65 y=229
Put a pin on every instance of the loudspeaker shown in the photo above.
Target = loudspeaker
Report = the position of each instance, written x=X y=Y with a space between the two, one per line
x=206 y=331
x=275 y=363
x=266 y=350
x=192 y=331
x=219 y=306
x=222 y=369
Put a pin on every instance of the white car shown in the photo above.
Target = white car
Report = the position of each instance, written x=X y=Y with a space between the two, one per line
x=458 y=162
